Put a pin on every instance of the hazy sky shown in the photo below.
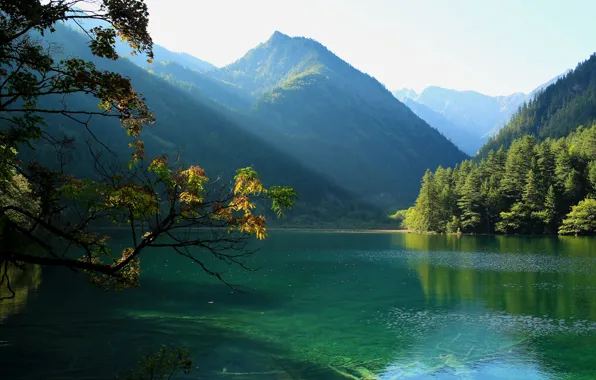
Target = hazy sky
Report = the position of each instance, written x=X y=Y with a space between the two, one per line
x=496 y=47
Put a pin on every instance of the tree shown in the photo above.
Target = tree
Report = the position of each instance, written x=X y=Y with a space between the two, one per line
x=524 y=215
x=519 y=159
x=592 y=176
x=563 y=164
x=512 y=220
x=425 y=216
x=446 y=202
x=549 y=215
x=58 y=213
x=524 y=190
x=545 y=165
x=581 y=220
x=470 y=203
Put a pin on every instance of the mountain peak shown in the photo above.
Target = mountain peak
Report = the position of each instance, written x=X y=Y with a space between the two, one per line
x=405 y=93
x=278 y=36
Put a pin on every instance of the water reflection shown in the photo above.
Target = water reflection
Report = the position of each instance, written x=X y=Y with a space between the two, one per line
x=558 y=284
x=569 y=246
x=324 y=305
x=22 y=283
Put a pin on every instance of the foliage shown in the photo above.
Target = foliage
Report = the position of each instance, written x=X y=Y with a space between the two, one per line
x=524 y=190
x=164 y=364
x=581 y=220
x=59 y=212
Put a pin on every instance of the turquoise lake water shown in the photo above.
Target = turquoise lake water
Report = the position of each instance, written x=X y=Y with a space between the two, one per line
x=325 y=306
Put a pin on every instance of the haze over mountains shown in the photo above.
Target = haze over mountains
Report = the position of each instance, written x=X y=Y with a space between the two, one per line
x=290 y=108
x=297 y=95
x=305 y=118
x=558 y=110
x=467 y=118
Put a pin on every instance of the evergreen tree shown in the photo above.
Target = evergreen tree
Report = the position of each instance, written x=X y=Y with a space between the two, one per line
x=523 y=217
x=519 y=159
x=581 y=220
x=524 y=190
x=592 y=176
x=563 y=164
x=445 y=197
x=573 y=187
x=426 y=209
x=549 y=214
x=533 y=204
x=545 y=165
x=470 y=203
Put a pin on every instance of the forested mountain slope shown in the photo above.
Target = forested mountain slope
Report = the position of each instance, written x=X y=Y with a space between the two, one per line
x=337 y=119
x=201 y=85
x=554 y=112
x=203 y=135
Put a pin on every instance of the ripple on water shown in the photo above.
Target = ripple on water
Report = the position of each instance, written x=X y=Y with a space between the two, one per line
x=420 y=323
x=527 y=262
x=449 y=345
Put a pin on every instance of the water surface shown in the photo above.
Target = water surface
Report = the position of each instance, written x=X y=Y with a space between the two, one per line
x=325 y=306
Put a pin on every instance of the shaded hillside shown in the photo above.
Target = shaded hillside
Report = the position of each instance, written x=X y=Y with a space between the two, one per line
x=556 y=111
x=337 y=119
x=204 y=135
x=201 y=85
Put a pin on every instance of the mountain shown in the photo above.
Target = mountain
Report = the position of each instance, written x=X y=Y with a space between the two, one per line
x=337 y=120
x=201 y=84
x=469 y=118
x=556 y=110
x=474 y=116
x=160 y=53
x=538 y=89
x=460 y=137
x=204 y=133
x=404 y=94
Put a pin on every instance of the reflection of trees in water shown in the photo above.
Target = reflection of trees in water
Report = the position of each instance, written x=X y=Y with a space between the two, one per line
x=558 y=294
x=22 y=281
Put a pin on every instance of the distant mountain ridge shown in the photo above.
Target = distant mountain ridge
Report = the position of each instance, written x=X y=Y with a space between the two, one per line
x=469 y=118
x=556 y=110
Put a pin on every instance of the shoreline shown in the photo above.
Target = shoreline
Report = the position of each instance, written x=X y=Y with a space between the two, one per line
x=338 y=230
x=302 y=229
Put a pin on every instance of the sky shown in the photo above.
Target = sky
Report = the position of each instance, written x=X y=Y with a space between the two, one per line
x=496 y=47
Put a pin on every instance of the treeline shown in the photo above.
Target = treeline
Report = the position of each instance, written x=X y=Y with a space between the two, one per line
x=533 y=187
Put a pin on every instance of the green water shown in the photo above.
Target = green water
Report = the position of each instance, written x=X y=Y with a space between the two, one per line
x=326 y=306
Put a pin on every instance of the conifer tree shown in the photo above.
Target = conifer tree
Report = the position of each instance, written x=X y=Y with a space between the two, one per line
x=426 y=205
x=470 y=203
x=549 y=214
x=526 y=189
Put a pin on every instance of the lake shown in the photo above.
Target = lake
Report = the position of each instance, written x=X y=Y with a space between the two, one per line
x=325 y=306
